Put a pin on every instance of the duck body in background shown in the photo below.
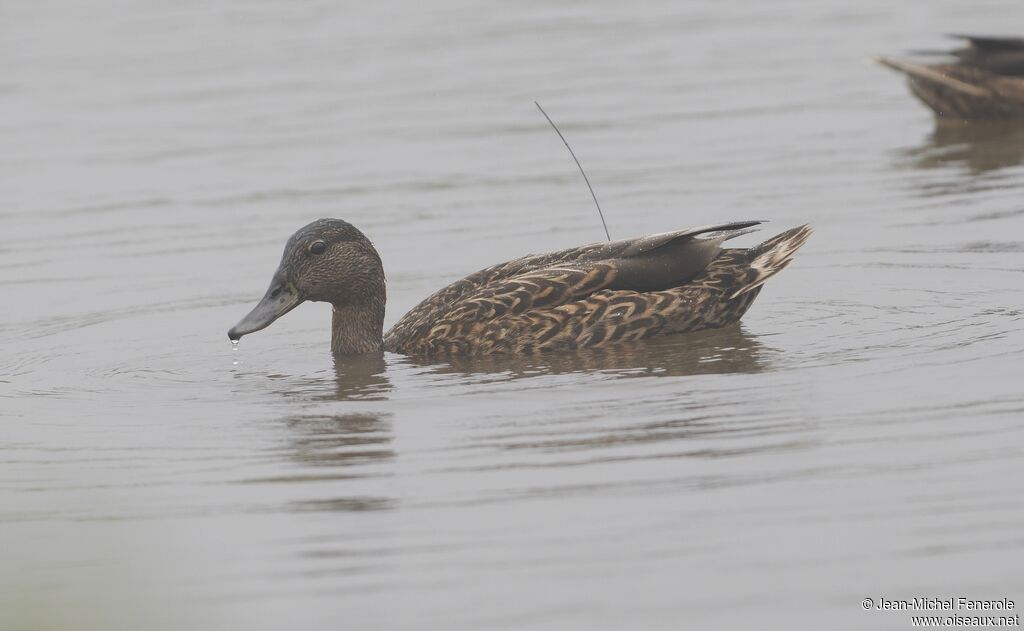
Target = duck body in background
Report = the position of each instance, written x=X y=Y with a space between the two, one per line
x=587 y=296
x=984 y=79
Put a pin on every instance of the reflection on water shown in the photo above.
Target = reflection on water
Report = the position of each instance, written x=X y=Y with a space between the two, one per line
x=336 y=449
x=712 y=351
x=342 y=440
x=356 y=378
x=361 y=377
x=980 y=146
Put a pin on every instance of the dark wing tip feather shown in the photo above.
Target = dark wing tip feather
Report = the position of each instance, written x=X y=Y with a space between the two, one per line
x=735 y=225
x=724 y=229
x=972 y=40
x=729 y=230
x=990 y=42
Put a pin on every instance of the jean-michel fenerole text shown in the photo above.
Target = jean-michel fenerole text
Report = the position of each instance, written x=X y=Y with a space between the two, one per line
x=959 y=603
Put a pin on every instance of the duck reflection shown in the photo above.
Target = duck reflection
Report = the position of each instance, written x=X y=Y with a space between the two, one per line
x=980 y=146
x=361 y=377
x=340 y=440
x=712 y=351
x=341 y=447
x=355 y=378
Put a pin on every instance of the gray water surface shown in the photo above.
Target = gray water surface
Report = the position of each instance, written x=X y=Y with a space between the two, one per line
x=859 y=435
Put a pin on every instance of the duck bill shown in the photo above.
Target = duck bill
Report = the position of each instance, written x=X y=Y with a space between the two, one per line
x=280 y=298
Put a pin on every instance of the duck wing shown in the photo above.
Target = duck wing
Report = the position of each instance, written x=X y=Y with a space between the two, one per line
x=454 y=319
x=999 y=55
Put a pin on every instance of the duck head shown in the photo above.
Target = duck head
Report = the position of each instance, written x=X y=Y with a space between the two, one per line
x=329 y=260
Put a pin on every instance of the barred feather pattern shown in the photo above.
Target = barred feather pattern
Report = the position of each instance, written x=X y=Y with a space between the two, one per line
x=560 y=302
x=417 y=322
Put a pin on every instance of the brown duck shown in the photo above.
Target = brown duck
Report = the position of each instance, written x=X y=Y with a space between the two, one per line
x=983 y=79
x=587 y=296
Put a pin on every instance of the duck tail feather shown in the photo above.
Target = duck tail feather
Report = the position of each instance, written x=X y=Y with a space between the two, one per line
x=932 y=76
x=771 y=257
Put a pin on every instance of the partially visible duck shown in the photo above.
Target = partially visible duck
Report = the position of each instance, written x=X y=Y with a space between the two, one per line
x=586 y=296
x=984 y=79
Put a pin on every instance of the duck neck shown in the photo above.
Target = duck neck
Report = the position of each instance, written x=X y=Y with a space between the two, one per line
x=357 y=329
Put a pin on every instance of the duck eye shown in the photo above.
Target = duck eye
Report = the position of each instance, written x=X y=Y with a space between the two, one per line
x=317 y=247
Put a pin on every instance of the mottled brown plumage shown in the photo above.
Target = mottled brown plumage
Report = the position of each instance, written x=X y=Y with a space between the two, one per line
x=588 y=296
x=982 y=80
